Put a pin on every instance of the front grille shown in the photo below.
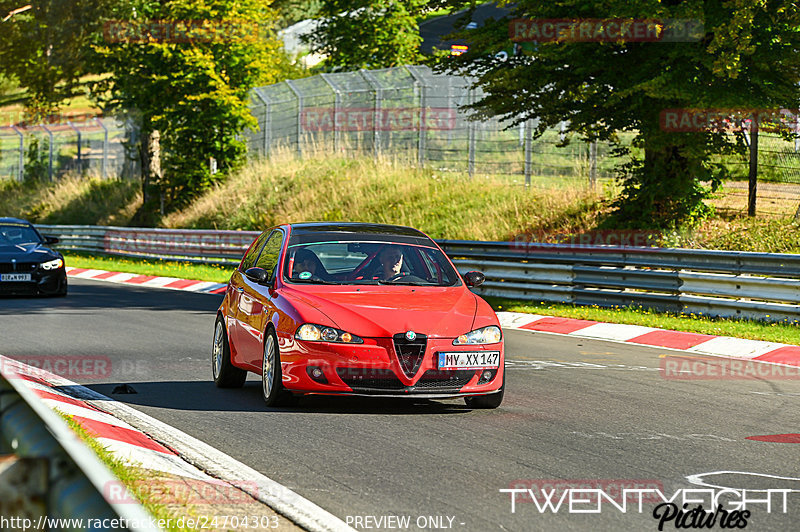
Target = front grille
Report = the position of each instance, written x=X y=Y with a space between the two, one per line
x=19 y=289
x=370 y=379
x=384 y=380
x=19 y=267
x=445 y=379
x=410 y=352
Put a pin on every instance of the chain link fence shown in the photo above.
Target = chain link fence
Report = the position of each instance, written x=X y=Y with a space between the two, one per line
x=413 y=113
x=104 y=147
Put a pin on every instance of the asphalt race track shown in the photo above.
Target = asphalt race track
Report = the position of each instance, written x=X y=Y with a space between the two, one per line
x=598 y=414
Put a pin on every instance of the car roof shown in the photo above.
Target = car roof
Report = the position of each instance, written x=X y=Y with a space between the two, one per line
x=317 y=231
x=14 y=221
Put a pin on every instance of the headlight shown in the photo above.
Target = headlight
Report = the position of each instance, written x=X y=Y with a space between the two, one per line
x=319 y=333
x=486 y=335
x=52 y=264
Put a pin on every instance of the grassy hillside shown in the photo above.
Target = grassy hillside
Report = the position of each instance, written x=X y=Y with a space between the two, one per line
x=331 y=187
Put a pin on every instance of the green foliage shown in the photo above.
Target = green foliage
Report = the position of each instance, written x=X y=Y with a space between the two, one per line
x=37 y=160
x=293 y=11
x=195 y=90
x=47 y=49
x=745 y=59
x=369 y=33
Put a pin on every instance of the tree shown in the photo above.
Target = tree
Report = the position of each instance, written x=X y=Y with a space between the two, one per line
x=184 y=69
x=746 y=57
x=46 y=49
x=369 y=33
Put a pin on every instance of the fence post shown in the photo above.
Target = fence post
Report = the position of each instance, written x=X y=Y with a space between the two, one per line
x=470 y=136
x=593 y=164
x=753 y=173
x=376 y=139
x=78 y=133
x=299 y=97
x=50 y=156
x=21 y=173
x=266 y=133
x=418 y=83
x=528 y=152
x=336 y=104
x=104 y=166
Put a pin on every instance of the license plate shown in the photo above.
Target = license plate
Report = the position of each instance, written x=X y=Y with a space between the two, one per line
x=12 y=277
x=469 y=360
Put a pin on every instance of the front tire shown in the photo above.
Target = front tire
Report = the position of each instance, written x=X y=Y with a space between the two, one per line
x=225 y=374
x=272 y=389
x=492 y=400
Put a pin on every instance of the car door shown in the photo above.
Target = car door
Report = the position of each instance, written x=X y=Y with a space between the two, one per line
x=256 y=305
x=235 y=299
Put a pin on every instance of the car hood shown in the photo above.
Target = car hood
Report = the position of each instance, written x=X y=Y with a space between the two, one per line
x=382 y=311
x=26 y=253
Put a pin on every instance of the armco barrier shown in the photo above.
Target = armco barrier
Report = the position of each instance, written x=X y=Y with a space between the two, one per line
x=763 y=286
x=73 y=481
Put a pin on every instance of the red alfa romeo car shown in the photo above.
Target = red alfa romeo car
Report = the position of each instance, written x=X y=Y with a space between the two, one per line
x=357 y=309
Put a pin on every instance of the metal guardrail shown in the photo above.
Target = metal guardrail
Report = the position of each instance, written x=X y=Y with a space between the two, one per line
x=77 y=488
x=764 y=286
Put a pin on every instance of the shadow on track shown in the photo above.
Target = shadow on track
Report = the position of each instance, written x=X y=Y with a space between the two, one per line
x=93 y=295
x=204 y=396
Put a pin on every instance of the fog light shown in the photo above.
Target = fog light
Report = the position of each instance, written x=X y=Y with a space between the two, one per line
x=486 y=376
x=317 y=374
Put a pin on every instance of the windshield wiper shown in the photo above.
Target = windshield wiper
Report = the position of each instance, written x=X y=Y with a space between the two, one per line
x=313 y=281
x=405 y=283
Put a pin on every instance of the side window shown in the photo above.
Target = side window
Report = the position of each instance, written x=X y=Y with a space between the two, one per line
x=250 y=257
x=269 y=256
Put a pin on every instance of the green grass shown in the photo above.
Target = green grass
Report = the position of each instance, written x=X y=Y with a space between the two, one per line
x=753 y=330
x=163 y=268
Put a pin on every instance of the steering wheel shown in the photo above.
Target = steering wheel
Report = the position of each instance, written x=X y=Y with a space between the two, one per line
x=395 y=277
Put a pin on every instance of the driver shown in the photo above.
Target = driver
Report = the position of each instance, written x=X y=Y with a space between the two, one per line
x=391 y=262
x=306 y=260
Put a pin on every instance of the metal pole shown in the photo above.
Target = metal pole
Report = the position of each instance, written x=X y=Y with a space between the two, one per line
x=376 y=114
x=528 y=152
x=336 y=105
x=50 y=159
x=471 y=138
x=104 y=167
x=21 y=173
x=299 y=97
x=593 y=164
x=265 y=134
x=78 y=132
x=420 y=87
x=753 y=174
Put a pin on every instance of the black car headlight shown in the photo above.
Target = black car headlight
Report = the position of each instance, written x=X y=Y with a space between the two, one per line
x=52 y=264
x=311 y=332
x=485 y=335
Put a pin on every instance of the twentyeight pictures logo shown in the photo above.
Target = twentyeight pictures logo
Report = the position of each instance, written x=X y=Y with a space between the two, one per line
x=682 y=508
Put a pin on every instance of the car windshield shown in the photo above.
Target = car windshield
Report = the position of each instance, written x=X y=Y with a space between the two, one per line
x=17 y=234
x=353 y=262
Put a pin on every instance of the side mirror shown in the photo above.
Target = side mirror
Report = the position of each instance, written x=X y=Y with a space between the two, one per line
x=50 y=240
x=257 y=275
x=474 y=278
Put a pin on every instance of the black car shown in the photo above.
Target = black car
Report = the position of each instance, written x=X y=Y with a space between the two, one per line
x=27 y=265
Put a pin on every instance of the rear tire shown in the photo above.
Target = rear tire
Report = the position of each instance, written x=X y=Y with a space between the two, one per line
x=491 y=400
x=225 y=374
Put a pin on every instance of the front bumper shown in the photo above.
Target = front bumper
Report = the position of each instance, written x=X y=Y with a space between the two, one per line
x=374 y=369
x=47 y=282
